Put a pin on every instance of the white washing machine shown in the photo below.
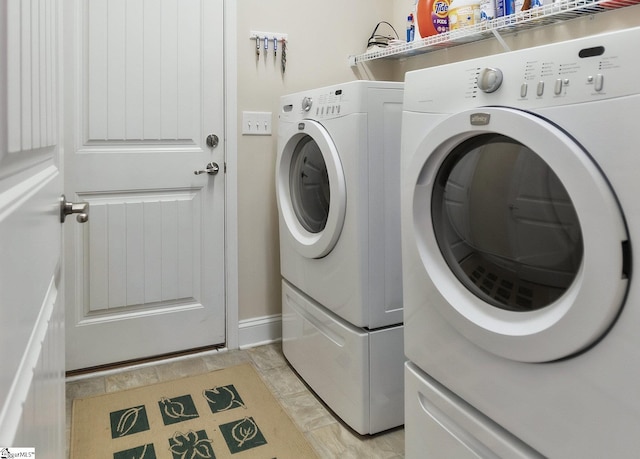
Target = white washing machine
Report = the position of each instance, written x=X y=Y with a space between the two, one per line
x=338 y=193
x=520 y=210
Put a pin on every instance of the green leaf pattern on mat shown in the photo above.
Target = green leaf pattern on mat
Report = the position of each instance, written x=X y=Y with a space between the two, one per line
x=242 y=434
x=177 y=409
x=141 y=452
x=239 y=435
x=191 y=445
x=223 y=398
x=128 y=421
x=244 y=430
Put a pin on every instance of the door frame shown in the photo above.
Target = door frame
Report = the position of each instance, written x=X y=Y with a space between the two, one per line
x=231 y=167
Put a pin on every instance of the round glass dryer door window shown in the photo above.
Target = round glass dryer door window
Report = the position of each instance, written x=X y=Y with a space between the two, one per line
x=310 y=189
x=309 y=186
x=520 y=234
x=505 y=224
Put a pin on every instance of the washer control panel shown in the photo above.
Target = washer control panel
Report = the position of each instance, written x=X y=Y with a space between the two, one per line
x=582 y=70
x=329 y=103
x=339 y=100
x=587 y=68
x=318 y=104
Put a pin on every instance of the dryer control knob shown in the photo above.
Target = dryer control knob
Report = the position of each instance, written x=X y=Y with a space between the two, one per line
x=489 y=79
x=307 y=102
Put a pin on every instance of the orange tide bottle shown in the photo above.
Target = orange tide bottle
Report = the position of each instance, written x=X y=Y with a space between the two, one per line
x=432 y=17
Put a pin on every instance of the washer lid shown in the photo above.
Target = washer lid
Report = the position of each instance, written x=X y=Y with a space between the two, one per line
x=519 y=232
x=311 y=190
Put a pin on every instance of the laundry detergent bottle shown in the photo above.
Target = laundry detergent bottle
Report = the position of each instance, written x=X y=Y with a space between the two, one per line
x=432 y=17
x=464 y=13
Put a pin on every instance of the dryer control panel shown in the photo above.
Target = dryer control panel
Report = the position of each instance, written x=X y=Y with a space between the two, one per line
x=571 y=72
x=332 y=101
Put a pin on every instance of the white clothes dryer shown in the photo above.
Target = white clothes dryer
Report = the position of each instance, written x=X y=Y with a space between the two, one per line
x=338 y=194
x=519 y=211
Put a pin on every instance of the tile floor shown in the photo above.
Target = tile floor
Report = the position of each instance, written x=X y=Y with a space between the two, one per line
x=329 y=437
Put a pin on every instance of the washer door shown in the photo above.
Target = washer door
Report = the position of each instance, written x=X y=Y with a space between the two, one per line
x=311 y=190
x=520 y=233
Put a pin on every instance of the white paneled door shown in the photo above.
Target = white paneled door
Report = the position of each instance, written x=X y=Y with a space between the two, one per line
x=31 y=312
x=144 y=89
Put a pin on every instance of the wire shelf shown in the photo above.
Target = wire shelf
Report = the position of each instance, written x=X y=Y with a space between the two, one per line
x=523 y=20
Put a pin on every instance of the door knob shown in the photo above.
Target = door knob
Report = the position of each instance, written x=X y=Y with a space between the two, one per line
x=68 y=208
x=212 y=169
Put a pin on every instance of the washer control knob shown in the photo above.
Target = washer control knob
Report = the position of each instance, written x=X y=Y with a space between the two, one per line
x=599 y=82
x=307 y=102
x=557 y=89
x=489 y=79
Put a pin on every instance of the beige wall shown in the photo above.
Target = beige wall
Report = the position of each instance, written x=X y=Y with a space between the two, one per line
x=321 y=36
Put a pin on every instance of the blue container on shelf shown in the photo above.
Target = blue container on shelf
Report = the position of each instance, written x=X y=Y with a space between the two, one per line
x=505 y=7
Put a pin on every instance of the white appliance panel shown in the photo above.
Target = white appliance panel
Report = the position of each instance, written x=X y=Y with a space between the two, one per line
x=342 y=283
x=357 y=374
x=441 y=424
x=386 y=358
x=584 y=405
x=359 y=277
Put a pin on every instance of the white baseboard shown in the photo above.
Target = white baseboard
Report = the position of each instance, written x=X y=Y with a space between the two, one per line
x=259 y=330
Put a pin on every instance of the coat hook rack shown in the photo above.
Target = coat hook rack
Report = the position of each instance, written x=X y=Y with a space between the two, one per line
x=271 y=42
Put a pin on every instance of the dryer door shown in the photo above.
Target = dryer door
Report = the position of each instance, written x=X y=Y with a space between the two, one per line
x=311 y=189
x=520 y=233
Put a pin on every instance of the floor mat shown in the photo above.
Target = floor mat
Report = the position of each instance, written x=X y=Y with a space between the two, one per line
x=228 y=413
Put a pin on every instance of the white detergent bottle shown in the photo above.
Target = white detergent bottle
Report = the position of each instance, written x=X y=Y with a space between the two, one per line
x=463 y=13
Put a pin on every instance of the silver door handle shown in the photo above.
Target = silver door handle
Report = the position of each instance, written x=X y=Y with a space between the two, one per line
x=212 y=169
x=68 y=208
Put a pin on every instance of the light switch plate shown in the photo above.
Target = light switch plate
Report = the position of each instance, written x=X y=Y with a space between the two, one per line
x=256 y=123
